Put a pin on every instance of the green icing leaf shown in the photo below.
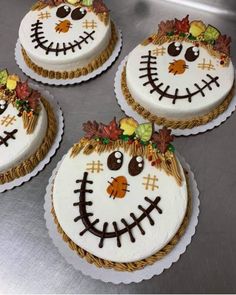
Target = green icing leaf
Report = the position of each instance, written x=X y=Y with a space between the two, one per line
x=106 y=140
x=191 y=37
x=171 y=148
x=87 y=2
x=144 y=131
x=211 y=34
x=3 y=77
x=125 y=137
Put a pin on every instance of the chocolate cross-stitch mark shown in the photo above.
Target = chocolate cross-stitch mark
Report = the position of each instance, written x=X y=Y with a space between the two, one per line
x=206 y=66
x=159 y=51
x=41 y=41
x=150 y=182
x=8 y=120
x=89 y=24
x=151 y=74
x=44 y=15
x=117 y=233
x=9 y=135
x=95 y=167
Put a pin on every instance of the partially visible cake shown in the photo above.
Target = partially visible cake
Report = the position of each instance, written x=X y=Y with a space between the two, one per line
x=182 y=76
x=27 y=127
x=120 y=198
x=66 y=39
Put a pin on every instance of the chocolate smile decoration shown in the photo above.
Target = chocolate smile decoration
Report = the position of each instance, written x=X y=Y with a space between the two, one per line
x=151 y=74
x=57 y=48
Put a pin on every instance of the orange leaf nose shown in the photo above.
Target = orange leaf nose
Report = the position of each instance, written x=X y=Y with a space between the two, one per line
x=177 y=67
x=118 y=187
x=63 y=26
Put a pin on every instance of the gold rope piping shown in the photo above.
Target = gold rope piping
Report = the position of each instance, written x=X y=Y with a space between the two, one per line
x=28 y=165
x=132 y=266
x=174 y=124
x=93 y=65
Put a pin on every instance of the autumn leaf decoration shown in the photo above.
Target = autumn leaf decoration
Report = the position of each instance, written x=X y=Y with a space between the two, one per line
x=91 y=129
x=52 y=3
x=166 y=27
x=99 y=6
x=110 y=131
x=27 y=99
x=223 y=44
x=163 y=139
x=182 y=26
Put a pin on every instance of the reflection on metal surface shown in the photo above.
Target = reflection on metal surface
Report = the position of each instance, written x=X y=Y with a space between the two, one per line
x=228 y=11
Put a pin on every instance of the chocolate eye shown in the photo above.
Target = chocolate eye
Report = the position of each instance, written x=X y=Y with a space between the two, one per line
x=63 y=11
x=136 y=166
x=175 y=48
x=78 y=13
x=192 y=53
x=115 y=161
x=3 y=106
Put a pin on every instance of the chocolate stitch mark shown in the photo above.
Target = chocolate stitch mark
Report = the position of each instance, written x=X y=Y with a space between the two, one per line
x=9 y=135
x=41 y=41
x=152 y=79
x=117 y=233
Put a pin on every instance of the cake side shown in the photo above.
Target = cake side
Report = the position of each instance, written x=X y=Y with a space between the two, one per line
x=121 y=195
x=180 y=73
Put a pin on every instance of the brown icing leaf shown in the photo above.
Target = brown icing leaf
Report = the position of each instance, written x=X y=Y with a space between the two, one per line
x=163 y=139
x=182 y=26
x=33 y=100
x=99 y=6
x=91 y=129
x=52 y=3
x=223 y=44
x=166 y=27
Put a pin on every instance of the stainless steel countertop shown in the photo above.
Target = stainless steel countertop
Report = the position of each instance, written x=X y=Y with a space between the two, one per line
x=29 y=262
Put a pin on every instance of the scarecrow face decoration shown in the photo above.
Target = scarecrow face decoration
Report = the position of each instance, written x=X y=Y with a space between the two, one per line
x=62 y=29
x=185 y=61
x=18 y=104
x=117 y=196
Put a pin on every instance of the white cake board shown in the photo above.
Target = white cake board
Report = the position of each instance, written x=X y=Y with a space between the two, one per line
x=110 y=275
x=177 y=132
x=60 y=127
x=60 y=82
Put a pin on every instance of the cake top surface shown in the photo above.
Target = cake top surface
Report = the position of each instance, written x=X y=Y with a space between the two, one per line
x=23 y=120
x=63 y=31
x=120 y=193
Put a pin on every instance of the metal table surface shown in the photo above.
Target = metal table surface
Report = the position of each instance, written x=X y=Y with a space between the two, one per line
x=29 y=262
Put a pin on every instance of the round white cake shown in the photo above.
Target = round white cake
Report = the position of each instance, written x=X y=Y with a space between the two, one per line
x=181 y=73
x=65 y=37
x=116 y=204
x=27 y=127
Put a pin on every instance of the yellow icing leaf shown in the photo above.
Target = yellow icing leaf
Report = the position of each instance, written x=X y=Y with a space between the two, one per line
x=197 y=28
x=12 y=82
x=129 y=126
x=73 y=2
